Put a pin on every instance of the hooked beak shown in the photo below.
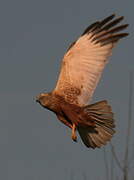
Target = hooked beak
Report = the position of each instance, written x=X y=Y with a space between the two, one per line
x=37 y=99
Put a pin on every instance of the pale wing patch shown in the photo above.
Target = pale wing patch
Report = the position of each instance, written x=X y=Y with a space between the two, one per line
x=85 y=60
x=82 y=67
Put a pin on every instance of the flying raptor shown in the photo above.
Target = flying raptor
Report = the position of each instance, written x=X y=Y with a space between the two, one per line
x=81 y=69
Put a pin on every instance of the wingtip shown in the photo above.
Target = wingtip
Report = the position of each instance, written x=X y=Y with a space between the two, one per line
x=126 y=25
x=125 y=34
x=113 y=15
x=121 y=17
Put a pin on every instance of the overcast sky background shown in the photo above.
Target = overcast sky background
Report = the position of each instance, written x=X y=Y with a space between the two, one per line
x=34 y=36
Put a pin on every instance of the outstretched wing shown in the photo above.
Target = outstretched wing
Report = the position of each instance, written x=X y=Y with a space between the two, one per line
x=86 y=58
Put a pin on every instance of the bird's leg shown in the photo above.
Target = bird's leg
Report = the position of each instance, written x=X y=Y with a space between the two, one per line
x=74 y=137
x=63 y=120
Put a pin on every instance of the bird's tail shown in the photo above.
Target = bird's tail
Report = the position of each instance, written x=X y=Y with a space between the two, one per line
x=101 y=114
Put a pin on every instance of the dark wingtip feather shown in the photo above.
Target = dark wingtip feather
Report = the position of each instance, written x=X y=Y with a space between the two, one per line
x=111 y=31
x=90 y=27
x=112 y=39
x=107 y=19
x=104 y=25
x=97 y=23
x=107 y=33
x=113 y=23
x=104 y=31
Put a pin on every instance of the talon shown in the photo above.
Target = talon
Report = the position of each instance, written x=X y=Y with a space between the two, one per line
x=74 y=137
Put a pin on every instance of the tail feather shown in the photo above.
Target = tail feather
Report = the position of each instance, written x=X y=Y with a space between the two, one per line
x=101 y=114
x=98 y=105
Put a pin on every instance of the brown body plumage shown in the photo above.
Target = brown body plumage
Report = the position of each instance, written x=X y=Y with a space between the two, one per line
x=81 y=70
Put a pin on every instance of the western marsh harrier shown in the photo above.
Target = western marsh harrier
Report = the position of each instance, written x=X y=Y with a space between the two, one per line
x=81 y=69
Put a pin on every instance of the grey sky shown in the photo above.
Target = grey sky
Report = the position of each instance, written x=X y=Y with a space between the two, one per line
x=34 y=36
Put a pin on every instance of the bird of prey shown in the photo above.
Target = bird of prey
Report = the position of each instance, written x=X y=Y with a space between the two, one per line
x=81 y=69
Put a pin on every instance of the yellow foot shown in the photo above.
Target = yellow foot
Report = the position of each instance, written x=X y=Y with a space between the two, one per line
x=74 y=137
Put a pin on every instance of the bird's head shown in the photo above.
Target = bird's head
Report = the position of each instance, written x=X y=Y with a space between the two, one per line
x=44 y=99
